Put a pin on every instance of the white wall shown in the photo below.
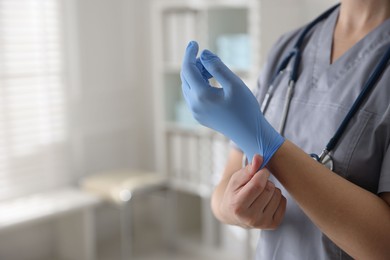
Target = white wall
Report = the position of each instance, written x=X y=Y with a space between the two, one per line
x=111 y=117
x=285 y=15
x=110 y=110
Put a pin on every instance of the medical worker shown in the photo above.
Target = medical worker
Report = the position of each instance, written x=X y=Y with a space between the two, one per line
x=334 y=205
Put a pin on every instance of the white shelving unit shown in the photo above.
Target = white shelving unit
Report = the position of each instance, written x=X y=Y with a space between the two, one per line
x=224 y=27
x=189 y=154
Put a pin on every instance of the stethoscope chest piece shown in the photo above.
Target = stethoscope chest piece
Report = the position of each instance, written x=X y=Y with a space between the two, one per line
x=325 y=159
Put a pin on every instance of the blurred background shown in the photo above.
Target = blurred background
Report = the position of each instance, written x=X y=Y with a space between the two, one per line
x=99 y=156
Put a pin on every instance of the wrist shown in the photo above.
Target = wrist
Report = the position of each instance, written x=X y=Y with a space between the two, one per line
x=278 y=156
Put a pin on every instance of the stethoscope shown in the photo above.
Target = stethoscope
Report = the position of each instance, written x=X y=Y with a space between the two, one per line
x=324 y=158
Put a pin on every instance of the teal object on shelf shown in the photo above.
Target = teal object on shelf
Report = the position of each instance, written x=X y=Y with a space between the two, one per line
x=234 y=50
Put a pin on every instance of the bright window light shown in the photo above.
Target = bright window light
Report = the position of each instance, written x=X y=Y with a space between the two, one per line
x=32 y=101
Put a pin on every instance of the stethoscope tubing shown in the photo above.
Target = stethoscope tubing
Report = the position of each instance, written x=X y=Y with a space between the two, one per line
x=296 y=51
x=369 y=85
x=296 y=54
x=286 y=107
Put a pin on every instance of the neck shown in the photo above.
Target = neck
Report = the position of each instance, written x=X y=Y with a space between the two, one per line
x=356 y=19
x=362 y=15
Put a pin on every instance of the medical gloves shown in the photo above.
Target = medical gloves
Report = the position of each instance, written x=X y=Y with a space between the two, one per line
x=231 y=110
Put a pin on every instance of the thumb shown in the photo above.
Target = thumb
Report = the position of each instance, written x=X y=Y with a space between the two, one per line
x=240 y=178
x=256 y=163
x=219 y=70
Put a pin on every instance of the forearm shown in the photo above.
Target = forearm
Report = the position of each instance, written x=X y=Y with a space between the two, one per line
x=355 y=219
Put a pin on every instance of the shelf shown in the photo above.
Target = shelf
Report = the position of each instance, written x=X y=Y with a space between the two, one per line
x=188 y=152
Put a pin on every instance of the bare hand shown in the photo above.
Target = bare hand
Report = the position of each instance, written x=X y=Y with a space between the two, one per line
x=251 y=200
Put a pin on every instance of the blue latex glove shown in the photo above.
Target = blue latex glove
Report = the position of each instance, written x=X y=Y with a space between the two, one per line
x=231 y=110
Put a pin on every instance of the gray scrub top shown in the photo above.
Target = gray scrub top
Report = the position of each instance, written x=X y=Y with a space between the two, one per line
x=323 y=95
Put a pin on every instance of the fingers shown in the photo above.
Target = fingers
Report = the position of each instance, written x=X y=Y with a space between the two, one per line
x=206 y=75
x=253 y=188
x=240 y=178
x=279 y=213
x=268 y=209
x=266 y=204
x=273 y=202
x=251 y=200
x=190 y=72
x=219 y=70
x=264 y=198
x=274 y=212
